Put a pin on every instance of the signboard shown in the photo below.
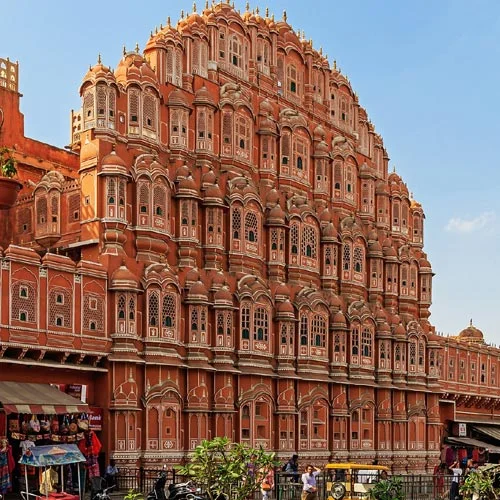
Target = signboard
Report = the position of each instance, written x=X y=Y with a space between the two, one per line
x=95 y=418
x=462 y=430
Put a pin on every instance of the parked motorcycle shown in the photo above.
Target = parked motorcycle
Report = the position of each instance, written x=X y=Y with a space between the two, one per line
x=184 y=491
x=158 y=491
x=104 y=494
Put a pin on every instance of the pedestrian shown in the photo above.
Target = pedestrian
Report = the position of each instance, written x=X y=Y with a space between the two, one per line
x=267 y=483
x=309 y=487
x=111 y=473
x=292 y=467
x=455 y=480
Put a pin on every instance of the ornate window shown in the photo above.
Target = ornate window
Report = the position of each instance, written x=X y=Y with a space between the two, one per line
x=134 y=110
x=227 y=133
x=358 y=263
x=337 y=180
x=200 y=57
x=236 y=228
x=224 y=328
x=309 y=246
x=189 y=218
x=255 y=326
x=350 y=180
x=150 y=115
x=198 y=324
x=366 y=342
x=252 y=232
x=243 y=130
x=355 y=344
x=24 y=302
x=153 y=313
x=161 y=205
x=263 y=56
x=293 y=83
x=300 y=157
x=286 y=339
x=93 y=312
x=313 y=331
x=178 y=128
x=285 y=144
x=73 y=208
x=421 y=356
x=174 y=66
x=60 y=308
x=24 y=221
x=88 y=110
x=204 y=123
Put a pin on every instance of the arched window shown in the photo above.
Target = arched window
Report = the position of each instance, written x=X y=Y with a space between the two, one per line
x=153 y=309
x=261 y=324
x=149 y=115
x=366 y=342
x=355 y=341
x=346 y=261
x=133 y=111
x=121 y=306
x=245 y=321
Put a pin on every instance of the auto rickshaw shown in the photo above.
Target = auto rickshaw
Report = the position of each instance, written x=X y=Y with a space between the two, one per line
x=349 y=481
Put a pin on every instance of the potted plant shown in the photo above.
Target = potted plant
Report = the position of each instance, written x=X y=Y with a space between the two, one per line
x=9 y=187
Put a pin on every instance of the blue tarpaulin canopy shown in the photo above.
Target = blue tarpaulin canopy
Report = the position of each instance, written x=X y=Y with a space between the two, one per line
x=55 y=454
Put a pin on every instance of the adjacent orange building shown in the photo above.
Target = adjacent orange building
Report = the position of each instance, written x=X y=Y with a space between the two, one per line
x=222 y=251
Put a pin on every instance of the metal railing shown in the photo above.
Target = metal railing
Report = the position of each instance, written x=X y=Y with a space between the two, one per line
x=288 y=486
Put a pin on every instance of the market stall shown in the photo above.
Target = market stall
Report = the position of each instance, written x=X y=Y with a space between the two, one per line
x=52 y=483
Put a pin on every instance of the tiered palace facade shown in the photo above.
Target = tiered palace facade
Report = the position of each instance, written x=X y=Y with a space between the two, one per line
x=222 y=251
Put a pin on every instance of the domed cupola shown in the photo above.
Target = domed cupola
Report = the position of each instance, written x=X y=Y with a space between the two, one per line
x=99 y=94
x=471 y=334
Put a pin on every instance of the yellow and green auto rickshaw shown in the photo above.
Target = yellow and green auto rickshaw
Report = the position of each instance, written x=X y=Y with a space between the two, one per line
x=349 y=481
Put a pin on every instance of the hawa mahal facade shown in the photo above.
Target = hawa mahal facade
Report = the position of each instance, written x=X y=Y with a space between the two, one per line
x=221 y=250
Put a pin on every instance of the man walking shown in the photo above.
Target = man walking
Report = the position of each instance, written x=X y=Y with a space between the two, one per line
x=309 y=488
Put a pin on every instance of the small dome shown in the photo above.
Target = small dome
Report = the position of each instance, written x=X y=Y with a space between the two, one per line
x=272 y=197
x=209 y=177
x=400 y=331
x=471 y=334
x=395 y=320
x=198 y=291
x=381 y=314
x=202 y=97
x=188 y=183
x=113 y=162
x=335 y=301
x=133 y=67
x=384 y=328
x=213 y=192
x=285 y=307
x=124 y=279
x=276 y=215
x=223 y=295
x=218 y=280
x=98 y=72
x=192 y=275
x=424 y=263
x=381 y=188
x=182 y=171
x=339 y=318
x=177 y=98
x=329 y=231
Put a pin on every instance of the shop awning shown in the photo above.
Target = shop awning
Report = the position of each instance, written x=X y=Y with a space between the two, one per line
x=489 y=430
x=18 y=397
x=465 y=441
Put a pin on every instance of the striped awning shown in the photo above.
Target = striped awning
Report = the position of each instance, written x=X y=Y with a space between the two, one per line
x=35 y=399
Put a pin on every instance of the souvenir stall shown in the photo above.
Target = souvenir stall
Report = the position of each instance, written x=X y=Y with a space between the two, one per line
x=46 y=459
x=36 y=415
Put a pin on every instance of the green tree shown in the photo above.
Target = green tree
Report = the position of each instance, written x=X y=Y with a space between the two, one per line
x=388 y=489
x=482 y=483
x=219 y=466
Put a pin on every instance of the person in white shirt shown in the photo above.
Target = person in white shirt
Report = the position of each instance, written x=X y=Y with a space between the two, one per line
x=455 y=480
x=309 y=488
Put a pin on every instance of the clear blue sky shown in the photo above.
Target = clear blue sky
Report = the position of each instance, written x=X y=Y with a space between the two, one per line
x=427 y=71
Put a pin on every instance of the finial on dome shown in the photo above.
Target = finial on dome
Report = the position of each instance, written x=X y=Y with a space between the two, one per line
x=257 y=10
x=168 y=22
x=321 y=51
x=247 y=7
x=272 y=18
x=98 y=58
x=151 y=33
x=394 y=169
x=137 y=48
x=161 y=26
x=182 y=14
x=284 y=16
x=335 y=64
x=124 y=50
x=471 y=322
x=156 y=29
x=206 y=4
x=232 y=5
x=267 y=12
